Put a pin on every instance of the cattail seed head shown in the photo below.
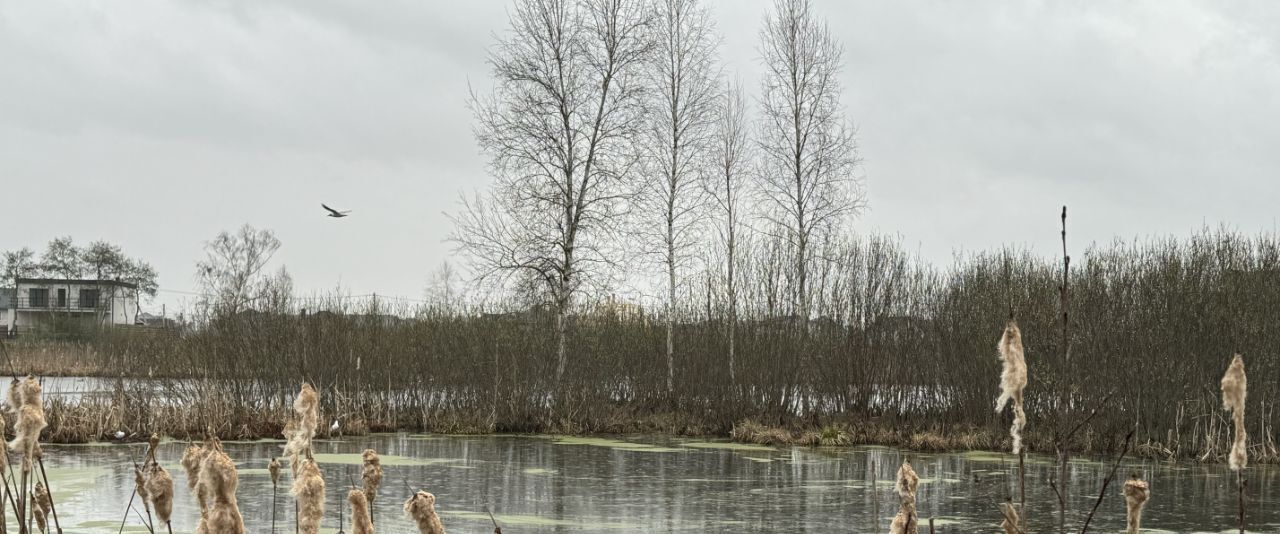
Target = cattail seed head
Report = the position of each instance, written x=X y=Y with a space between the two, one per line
x=421 y=507
x=274 y=469
x=371 y=474
x=1234 y=390
x=308 y=488
x=361 y=523
x=160 y=488
x=43 y=505
x=1136 y=494
x=1013 y=379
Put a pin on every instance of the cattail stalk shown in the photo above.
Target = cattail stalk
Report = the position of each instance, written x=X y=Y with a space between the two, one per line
x=299 y=432
x=1234 y=391
x=361 y=520
x=906 y=522
x=1136 y=494
x=421 y=507
x=274 y=469
x=1013 y=379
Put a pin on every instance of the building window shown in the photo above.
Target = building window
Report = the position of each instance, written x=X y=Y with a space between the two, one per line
x=62 y=297
x=38 y=298
x=88 y=298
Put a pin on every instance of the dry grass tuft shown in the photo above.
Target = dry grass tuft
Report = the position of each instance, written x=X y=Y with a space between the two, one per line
x=421 y=507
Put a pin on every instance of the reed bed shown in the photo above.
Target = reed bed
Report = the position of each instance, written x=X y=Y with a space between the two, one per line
x=896 y=352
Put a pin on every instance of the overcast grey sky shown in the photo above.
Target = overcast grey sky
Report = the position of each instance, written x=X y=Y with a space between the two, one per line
x=156 y=124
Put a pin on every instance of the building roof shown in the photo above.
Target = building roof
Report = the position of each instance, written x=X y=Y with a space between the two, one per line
x=81 y=282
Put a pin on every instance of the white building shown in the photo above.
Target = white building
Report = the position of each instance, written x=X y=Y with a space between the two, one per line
x=44 y=303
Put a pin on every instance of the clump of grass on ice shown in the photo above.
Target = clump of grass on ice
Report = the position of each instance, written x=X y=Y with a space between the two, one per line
x=1234 y=389
x=308 y=488
x=30 y=421
x=906 y=484
x=361 y=522
x=371 y=474
x=421 y=507
x=1136 y=493
x=1013 y=379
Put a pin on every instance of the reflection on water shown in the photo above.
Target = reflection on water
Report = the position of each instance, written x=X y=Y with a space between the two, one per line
x=546 y=485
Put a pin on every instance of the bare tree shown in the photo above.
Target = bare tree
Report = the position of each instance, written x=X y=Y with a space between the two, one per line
x=231 y=273
x=560 y=130
x=685 y=82
x=17 y=264
x=807 y=144
x=442 y=289
x=108 y=262
x=727 y=188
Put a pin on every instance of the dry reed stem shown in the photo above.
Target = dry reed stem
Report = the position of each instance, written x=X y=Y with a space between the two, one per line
x=308 y=488
x=159 y=487
x=361 y=521
x=1136 y=494
x=371 y=474
x=1013 y=379
x=421 y=507
x=1234 y=390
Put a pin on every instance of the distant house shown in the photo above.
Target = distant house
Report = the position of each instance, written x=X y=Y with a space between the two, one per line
x=37 y=303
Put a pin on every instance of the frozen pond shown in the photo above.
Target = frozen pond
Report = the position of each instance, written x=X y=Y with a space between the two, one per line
x=540 y=484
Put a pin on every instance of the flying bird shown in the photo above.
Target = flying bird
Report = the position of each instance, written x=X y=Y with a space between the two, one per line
x=335 y=213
